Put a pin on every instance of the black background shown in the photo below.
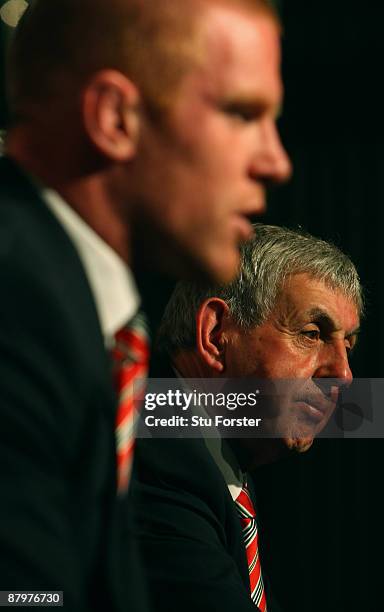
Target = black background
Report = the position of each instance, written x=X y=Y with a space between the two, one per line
x=322 y=511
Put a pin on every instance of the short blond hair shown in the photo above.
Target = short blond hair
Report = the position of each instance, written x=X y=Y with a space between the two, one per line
x=59 y=44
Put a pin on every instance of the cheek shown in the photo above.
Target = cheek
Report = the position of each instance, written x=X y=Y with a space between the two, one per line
x=239 y=359
x=292 y=366
x=280 y=361
x=217 y=145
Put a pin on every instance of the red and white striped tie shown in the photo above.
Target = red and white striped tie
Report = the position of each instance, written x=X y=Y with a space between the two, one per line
x=130 y=361
x=247 y=515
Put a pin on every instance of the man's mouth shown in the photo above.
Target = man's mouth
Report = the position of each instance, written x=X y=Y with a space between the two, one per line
x=314 y=411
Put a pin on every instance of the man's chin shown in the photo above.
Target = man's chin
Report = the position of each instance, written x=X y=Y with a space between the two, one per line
x=300 y=445
x=221 y=264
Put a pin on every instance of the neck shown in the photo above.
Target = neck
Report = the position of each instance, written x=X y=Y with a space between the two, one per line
x=189 y=364
x=254 y=452
x=83 y=184
x=90 y=198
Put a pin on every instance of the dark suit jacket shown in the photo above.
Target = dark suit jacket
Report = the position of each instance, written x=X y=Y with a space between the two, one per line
x=61 y=525
x=189 y=529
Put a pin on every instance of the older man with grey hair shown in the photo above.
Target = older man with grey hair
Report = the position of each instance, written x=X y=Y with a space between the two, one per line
x=293 y=313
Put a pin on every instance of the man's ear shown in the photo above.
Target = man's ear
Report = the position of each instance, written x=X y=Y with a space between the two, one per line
x=110 y=109
x=210 y=326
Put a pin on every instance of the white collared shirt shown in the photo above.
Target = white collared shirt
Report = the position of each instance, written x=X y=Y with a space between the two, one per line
x=220 y=450
x=111 y=281
x=227 y=464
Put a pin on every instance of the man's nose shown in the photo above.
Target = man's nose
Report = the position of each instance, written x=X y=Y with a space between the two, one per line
x=271 y=163
x=334 y=364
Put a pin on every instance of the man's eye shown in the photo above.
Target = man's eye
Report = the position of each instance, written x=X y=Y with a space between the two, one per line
x=349 y=348
x=312 y=334
x=242 y=112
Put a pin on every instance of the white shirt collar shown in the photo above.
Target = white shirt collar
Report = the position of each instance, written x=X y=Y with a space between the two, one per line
x=111 y=281
x=220 y=450
x=227 y=464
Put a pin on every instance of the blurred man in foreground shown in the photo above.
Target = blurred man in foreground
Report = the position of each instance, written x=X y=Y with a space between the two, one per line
x=142 y=135
x=292 y=315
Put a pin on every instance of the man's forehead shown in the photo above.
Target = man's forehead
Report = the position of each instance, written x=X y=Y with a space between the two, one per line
x=240 y=45
x=312 y=299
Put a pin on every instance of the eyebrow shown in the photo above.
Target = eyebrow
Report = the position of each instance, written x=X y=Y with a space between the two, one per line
x=251 y=103
x=318 y=314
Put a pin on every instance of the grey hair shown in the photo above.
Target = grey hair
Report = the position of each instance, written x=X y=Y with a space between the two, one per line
x=272 y=256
